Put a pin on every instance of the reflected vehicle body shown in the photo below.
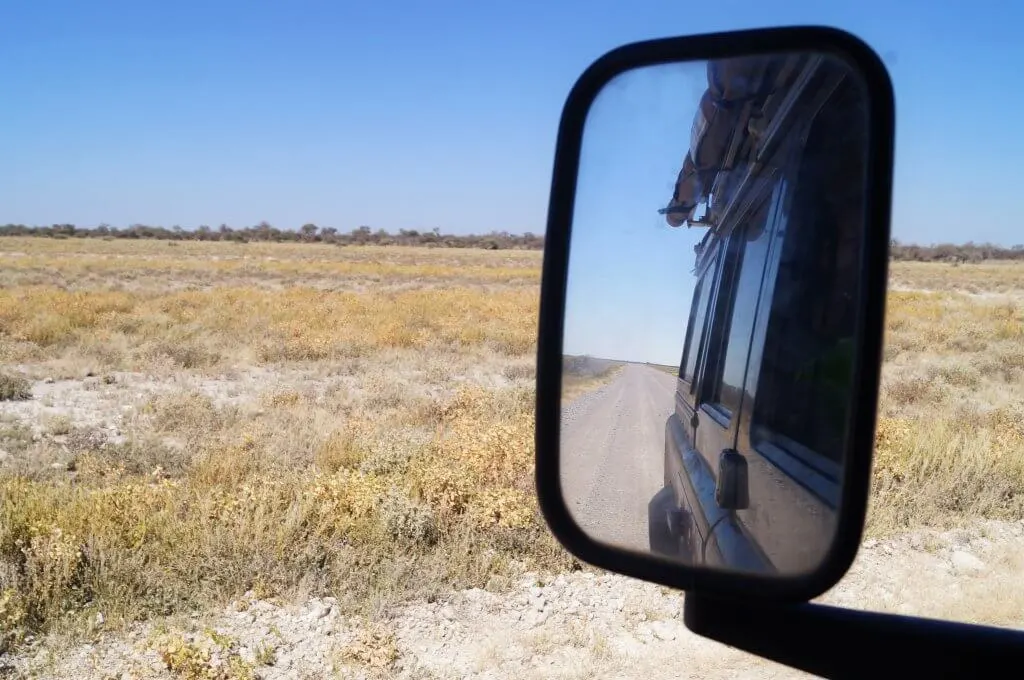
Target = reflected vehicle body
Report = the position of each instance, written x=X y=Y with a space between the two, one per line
x=754 y=449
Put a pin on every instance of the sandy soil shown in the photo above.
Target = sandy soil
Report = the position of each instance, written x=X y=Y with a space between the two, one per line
x=579 y=625
x=574 y=625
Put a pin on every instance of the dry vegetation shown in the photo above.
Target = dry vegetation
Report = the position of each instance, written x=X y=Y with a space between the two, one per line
x=950 y=443
x=147 y=266
x=208 y=419
x=267 y=233
x=987 y=279
x=585 y=374
x=293 y=420
x=955 y=253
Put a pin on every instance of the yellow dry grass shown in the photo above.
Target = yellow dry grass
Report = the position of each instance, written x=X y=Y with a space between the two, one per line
x=129 y=265
x=988 y=277
x=400 y=464
x=127 y=330
x=950 y=444
x=574 y=386
x=279 y=507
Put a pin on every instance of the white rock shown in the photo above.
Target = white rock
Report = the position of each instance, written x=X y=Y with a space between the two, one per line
x=663 y=631
x=318 y=612
x=966 y=562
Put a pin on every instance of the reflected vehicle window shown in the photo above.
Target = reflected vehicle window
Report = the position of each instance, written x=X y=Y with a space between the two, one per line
x=804 y=384
x=696 y=329
x=752 y=237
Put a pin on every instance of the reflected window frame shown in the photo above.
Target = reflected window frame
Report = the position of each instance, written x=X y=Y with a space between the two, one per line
x=760 y=217
x=781 y=449
x=708 y=281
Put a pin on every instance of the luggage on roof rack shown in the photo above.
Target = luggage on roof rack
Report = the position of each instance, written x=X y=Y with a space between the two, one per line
x=685 y=199
x=721 y=133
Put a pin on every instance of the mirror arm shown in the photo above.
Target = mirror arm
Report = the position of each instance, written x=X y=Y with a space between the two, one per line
x=834 y=642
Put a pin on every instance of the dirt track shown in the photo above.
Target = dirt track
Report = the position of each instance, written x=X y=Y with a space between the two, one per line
x=613 y=443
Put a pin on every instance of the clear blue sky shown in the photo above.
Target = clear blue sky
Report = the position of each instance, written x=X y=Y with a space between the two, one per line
x=630 y=274
x=420 y=114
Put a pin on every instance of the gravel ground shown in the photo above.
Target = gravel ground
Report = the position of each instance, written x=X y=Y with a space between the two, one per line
x=612 y=450
x=578 y=625
x=575 y=625
x=582 y=404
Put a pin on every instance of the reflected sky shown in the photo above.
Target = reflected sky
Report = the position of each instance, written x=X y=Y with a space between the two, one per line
x=631 y=275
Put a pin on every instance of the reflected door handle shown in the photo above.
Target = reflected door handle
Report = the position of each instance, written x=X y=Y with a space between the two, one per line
x=732 y=491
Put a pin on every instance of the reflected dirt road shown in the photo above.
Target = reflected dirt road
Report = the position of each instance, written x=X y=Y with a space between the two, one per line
x=613 y=443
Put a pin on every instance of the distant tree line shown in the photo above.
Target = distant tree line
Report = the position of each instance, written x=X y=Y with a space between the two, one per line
x=307 y=233
x=950 y=252
x=495 y=240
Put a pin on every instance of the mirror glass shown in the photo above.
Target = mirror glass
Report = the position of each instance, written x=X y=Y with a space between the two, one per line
x=711 y=311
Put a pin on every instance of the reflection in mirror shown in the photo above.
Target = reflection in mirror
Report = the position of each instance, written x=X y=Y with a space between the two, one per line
x=710 y=327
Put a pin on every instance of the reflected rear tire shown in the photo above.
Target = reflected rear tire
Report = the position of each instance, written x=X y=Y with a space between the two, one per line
x=659 y=530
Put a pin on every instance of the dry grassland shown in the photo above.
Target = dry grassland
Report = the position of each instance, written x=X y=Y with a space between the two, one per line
x=124 y=265
x=950 y=444
x=584 y=376
x=214 y=418
x=574 y=386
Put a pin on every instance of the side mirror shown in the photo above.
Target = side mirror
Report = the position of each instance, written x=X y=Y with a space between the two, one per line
x=715 y=274
x=718 y=240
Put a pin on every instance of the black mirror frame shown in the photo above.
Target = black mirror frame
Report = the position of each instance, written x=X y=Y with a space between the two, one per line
x=874 y=273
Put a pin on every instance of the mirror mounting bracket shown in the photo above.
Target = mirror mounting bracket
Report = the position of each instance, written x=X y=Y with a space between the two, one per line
x=834 y=642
